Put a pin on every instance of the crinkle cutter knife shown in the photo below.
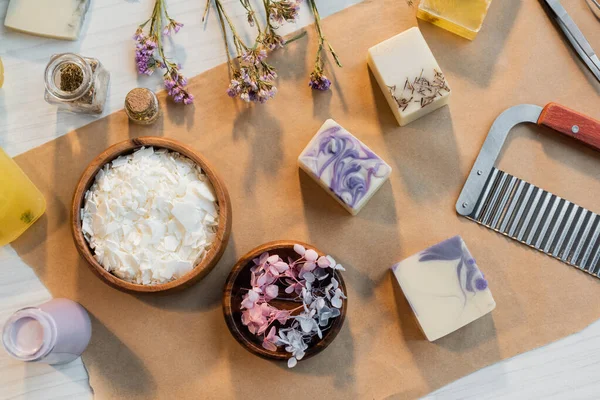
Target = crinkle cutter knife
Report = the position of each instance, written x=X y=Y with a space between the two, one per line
x=525 y=212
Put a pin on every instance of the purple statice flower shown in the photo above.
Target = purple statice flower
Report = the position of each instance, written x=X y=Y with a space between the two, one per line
x=175 y=83
x=254 y=56
x=250 y=17
x=318 y=81
x=263 y=95
x=144 y=53
x=235 y=88
x=272 y=41
x=173 y=26
x=284 y=11
x=250 y=86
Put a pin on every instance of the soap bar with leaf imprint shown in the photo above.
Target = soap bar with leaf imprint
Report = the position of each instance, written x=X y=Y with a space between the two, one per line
x=409 y=76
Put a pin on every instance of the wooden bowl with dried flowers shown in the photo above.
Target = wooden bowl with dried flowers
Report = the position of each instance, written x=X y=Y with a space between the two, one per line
x=202 y=266
x=285 y=300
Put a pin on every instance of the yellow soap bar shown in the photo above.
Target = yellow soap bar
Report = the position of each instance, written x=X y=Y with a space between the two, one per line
x=462 y=17
x=21 y=203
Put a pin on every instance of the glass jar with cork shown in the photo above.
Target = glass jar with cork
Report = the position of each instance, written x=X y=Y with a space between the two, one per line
x=75 y=83
x=141 y=106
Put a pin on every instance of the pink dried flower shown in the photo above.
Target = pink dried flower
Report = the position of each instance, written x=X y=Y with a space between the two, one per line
x=303 y=281
x=271 y=341
x=271 y=292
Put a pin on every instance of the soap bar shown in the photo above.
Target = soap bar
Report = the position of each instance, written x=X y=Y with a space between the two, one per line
x=444 y=287
x=59 y=19
x=409 y=76
x=344 y=166
x=463 y=17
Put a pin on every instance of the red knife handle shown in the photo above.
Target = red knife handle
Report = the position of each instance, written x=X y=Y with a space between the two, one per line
x=571 y=123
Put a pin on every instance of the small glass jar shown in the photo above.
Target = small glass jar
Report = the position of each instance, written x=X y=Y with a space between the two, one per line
x=141 y=106
x=75 y=83
x=56 y=332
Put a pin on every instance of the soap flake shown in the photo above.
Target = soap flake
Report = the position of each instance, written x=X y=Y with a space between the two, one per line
x=150 y=216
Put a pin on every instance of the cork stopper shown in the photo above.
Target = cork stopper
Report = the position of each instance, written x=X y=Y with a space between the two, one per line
x=141 y=105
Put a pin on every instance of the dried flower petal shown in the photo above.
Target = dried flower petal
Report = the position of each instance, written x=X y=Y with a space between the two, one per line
x=298 y=248
x=323 y=262
x=311 y=255
x=292 y=362
x=272 y=291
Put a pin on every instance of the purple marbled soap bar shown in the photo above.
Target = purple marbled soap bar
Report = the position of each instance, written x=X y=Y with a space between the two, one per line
x=344 y=165
x=444 y=287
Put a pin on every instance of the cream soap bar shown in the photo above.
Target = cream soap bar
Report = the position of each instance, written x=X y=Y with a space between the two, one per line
x=463 y=17
x=444 y=287
x=59 y=19
x=410 y=77
x=344 y=166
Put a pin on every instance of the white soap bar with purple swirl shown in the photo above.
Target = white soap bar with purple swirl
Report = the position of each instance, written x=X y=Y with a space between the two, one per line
x=444 y=287
x=344 y=166
x=409 y=76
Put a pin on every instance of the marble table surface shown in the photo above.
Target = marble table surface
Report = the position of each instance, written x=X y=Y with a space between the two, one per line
x=563 y=370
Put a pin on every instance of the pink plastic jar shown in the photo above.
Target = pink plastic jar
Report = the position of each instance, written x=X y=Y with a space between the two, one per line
x=55 y=332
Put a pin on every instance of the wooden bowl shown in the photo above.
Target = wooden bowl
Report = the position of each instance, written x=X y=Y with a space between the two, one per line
x=209 y=260
x=239 y=279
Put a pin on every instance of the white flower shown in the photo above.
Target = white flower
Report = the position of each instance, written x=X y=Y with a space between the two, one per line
x=336 y=300
x=307 y=321
x=339 y=267
x=308 y=277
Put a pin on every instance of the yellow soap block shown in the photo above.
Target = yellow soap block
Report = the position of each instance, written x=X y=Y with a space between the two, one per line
x=463 y=17
x=21 y=203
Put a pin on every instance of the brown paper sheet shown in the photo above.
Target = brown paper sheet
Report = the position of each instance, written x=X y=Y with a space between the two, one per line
x=177 y=347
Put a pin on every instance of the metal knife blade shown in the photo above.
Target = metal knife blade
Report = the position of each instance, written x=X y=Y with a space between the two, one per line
x=491 y=151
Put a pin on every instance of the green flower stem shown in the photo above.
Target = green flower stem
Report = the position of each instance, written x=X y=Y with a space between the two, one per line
x=239 y=43
x=156 y=26
x=267 y=4
x=248 y=6
x=322 y=39
x=222 y=22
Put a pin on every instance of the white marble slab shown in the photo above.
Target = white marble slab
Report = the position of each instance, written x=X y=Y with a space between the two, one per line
x=563 y=370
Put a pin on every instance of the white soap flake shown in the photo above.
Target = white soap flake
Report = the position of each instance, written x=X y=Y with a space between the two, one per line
x=150 y=216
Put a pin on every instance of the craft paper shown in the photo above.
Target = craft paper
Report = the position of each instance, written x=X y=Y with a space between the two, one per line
x=178 y=346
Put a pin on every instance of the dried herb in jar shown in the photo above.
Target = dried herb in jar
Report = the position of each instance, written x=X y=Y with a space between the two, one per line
x=88 y=97
x=71 y=77
x=141 y=106
x=76 y=83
